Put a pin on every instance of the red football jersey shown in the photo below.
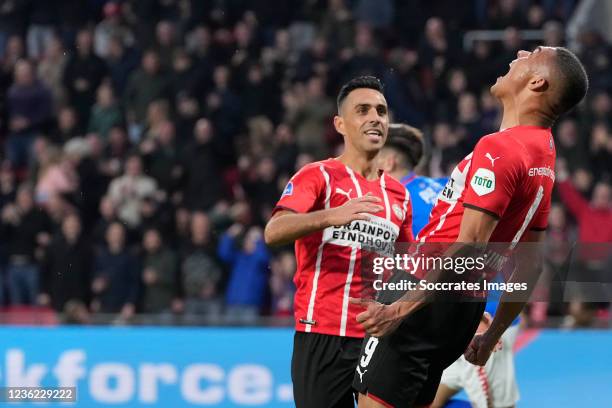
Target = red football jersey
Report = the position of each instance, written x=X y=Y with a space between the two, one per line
x=329 y=261
x=510 y=175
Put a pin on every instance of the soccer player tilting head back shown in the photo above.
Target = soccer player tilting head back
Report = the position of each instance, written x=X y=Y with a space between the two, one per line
x=498 y=193
x=329 y=208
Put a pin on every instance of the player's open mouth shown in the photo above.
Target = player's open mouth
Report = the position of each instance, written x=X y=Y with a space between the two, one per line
x=374 y=135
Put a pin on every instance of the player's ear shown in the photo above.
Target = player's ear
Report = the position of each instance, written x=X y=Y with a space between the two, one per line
x=538 y=84
x=339 y=124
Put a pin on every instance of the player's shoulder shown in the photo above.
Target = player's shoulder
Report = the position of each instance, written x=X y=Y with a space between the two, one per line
x=315 y=168
x=500 y=143
x=394 y=185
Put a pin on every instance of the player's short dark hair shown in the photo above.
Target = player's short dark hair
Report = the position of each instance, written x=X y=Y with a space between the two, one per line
x=573 y=79
x=369 y=82
x=408 y=141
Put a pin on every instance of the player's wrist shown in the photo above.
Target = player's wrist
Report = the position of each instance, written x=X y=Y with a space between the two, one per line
x=401 y=309
x=490 y=338
x=325 y=218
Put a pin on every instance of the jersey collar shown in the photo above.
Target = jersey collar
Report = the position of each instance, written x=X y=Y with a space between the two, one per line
x=408 y=178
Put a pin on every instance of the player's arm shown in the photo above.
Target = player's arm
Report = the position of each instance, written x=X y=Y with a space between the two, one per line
x=379 y=320
x=286 y=226
x=476 y=229
x=492 y=181
x=528 y=270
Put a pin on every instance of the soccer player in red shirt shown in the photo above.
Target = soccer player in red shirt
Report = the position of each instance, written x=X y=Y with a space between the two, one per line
x=499 y=193
x=332 y=209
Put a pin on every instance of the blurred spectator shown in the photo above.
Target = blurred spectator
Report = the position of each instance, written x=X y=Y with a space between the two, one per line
x=8 y=187
x=128 y=191
x=55 y=176
x=282 y=269
x=435 y=52
x=68 y=125
x=121 y=61
x=158 y=114
x=159 y=275
x=595 y=217
x=83 y=74
x=110 y=26
x=554 y=36
x=184 y=77
x=337 y=24
x=559 y=238
x=165 y=42
x=224 y=109
x=162 y=159
x=26 y=230
x=29 y=108
x=51 y=68
x=108 y=215
x=600 y=151
x=376 y=13
x=506 y=14
x=76 y=312
x=308 y=115
x=595 y=54
x=478 y=67
x=248 y=259
x=569 y=145
x=13 y=20
x=594 y=221
x=203 y=185
x=67 y=268
x=115 y=284
x=200 y=272
x=144 y=86
x=43 y=19
x=105 y=113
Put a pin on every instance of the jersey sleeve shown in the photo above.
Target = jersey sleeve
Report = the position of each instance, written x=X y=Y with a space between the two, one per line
x=540 y=220
x=303 y=191
x=493 y=177
x=405 y=233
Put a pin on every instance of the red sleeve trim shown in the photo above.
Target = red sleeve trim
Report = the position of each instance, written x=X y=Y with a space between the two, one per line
x=283 y=208
x=379 y=400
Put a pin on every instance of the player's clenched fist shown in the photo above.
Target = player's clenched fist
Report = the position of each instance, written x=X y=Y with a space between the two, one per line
x=354 y=209
x=379 y=319
x=479 y=350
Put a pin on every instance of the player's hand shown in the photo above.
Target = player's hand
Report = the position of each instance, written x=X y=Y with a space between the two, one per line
x=378 y=320
x=354 y=209
x=479 y=350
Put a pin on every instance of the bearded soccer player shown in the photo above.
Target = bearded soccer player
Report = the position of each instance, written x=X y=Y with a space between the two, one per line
x=330 y=209
x=500 y=192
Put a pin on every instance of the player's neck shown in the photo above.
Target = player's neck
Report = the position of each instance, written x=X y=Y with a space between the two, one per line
x=525 y=113
x=360 y=164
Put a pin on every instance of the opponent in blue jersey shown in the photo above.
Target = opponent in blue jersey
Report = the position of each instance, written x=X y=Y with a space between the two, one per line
x=401 y=154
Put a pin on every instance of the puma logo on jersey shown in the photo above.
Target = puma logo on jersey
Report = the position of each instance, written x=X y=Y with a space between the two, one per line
x=360 y=373
x=488 y=156
x=345 y=193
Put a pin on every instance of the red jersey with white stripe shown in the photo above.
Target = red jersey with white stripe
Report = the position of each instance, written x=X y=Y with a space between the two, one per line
x=510 y=175
x=329 y=261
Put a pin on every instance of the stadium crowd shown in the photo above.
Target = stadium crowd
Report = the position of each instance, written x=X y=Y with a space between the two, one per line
x=145 y=142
